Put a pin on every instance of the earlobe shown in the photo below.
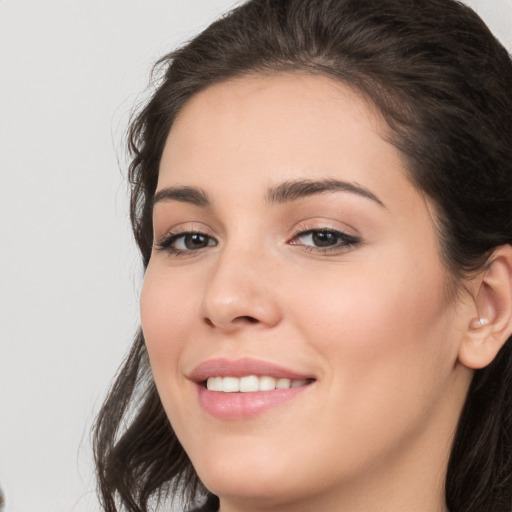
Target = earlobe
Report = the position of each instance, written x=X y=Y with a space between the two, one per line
x=490 y=329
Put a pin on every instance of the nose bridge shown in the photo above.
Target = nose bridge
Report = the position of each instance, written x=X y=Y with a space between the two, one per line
x=238 y=291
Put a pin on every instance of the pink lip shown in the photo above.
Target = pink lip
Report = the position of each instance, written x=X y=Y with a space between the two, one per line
x=239 y=406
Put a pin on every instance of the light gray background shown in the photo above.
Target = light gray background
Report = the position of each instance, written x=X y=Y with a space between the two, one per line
x=70 y=71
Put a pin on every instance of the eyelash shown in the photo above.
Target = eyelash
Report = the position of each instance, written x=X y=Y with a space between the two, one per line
x=166 y=243
x=344 y=241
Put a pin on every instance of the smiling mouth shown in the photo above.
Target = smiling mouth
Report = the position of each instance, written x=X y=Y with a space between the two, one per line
x=242 y=389
x=252 y=383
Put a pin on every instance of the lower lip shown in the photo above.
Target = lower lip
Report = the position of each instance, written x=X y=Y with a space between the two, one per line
x=240 y=406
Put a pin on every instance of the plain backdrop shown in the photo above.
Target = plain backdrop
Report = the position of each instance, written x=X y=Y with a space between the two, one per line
x=70 y=73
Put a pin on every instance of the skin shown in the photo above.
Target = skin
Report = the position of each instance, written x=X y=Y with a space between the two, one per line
x=371 y=321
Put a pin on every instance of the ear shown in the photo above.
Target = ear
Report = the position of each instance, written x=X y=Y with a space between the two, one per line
x=488 y=331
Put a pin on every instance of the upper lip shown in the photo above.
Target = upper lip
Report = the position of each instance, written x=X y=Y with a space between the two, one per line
x=222 y=367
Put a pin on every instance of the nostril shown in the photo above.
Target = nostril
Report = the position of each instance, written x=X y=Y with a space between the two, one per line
x=237 y=320
x=248 y=319
x=208 y=322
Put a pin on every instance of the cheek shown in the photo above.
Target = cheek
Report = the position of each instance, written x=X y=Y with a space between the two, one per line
x=370 y=301
x=165 y=307
x=384 y=340
x=385 y=334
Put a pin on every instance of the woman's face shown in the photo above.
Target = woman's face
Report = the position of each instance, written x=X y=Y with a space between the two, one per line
x=291 y=250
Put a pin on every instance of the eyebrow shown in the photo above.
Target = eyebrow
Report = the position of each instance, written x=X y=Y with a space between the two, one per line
x=183 y=194
x=293 y=190
x=282 y=193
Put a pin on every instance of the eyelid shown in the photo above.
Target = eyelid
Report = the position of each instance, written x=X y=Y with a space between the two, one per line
x=349 y=240
x=182 y=227
x=323 y=224
x=164 y=242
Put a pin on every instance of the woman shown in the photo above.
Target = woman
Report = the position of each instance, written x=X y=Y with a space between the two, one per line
x=322 y=196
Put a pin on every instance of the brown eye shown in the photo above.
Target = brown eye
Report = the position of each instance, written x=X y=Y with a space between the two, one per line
x=324 y=239
x=186 y=242
x=194 y=241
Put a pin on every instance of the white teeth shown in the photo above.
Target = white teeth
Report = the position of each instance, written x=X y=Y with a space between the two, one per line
x=248 y=384
x=283 y=383
x=251 y=383
x=215 y=383
x=267 y=383
x=230 y=384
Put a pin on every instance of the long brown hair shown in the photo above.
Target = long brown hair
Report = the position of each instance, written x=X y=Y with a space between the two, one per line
x=443 y=83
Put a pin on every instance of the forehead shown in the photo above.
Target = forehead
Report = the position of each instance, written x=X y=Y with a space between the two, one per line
x=264 y=130
x=291 y=107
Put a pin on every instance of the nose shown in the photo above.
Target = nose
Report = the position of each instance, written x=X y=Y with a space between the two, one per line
x=240 y=292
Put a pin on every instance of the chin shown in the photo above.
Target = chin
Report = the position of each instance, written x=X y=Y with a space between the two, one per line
x=249 y=476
